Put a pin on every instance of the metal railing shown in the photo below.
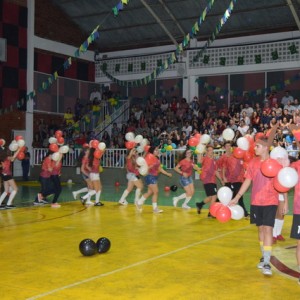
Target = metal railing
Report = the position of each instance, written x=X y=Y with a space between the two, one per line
x=113 y=158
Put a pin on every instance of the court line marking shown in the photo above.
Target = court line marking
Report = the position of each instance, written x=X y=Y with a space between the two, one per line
x=134 y=264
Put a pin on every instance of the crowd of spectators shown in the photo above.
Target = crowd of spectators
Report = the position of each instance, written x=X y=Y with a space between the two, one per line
x=173 y=121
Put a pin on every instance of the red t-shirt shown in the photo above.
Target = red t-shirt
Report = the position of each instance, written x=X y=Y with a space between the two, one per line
x=6 y=169
x=296 y=210
x=46 y=165
x=209 y=168
x=154 y=168
x=84 y=163
x=234 y=170
x=56 y=168
x=263 y=192
x=131 y=167
x=95 y=166
x=186 y=166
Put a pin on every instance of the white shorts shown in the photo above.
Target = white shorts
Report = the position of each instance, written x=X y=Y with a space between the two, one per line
x=131 y=177
x=94 y=176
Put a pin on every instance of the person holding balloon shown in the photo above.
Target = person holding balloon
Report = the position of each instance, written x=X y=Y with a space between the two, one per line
x=264 y=199
x=132 y=177
x=185 y=169
x=208 y=177
x=9 y=183
x=155 y=168
x=55 y=177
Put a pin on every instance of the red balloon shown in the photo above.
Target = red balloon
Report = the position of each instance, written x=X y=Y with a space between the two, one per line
x=197 y=136
x=238 y=152
x=98 y=153
x=60 y=140
x=193 y=142
x=94 y=143
x=247 y=156
x=223 y=214
x=19 y=137
x=270 y=167
x=129 y=145
x=21 y=155
x=85 y=145
x=117 y=183
x=278 y=187
x=150 y=159
x=146 y=148
x=167 y=189
x=215 y=207
x=53 y=147
x=259 y=135
x=58 y=133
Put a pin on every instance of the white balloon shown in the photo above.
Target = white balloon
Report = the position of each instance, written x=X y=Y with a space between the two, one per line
x=21 y=143
x=279 y=152
x=64 y=149
x=144 y=142
x=205 y=139
x=140 y=149
x=228 y=134
x=138 y=138
x=144 y=170
x=13 y=146
x=101 y=146
x=288 y=177
x=237 y=212
x=224 y=194
x=55 y=156
x=52 y=140
x=201 y=148
x=129 y=136
x=243 y=143
x=141 y=161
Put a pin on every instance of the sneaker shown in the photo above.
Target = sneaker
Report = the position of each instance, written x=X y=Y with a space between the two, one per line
x=98 y=204
x=209 y=215
x=74 y=195
x=55 y=205
x=274 y=240
x=185 y=206
x=10 y=206
x=89 y=203
x=2 y=207
x=266 y=270
x=261 y=263
x=199 y=207
x=247 y=216
x=138 y=206
x=280 y=238
x=123 y=202
x=82 y=200
x=175 y=200
x=157 y=210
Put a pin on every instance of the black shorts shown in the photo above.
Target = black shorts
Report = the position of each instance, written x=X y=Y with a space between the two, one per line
x=210 y=189
x=6 y=177
x=295 y=230
x=263 y=215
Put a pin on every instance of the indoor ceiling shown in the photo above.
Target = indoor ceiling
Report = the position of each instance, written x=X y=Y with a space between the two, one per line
x=149 y=23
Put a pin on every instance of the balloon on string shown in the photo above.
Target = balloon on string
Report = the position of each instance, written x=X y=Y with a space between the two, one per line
x=279 y=152
x=173 y=188
x=103 y=245
x=53 y=147
x=270 y=167
x=238 y=152
x=288 y=177
x=144 y=142
x=243 y=143
x=205 y=139
x=64 y=149
x=143 y=170
x=60 y=140
x=201 y=148
x=193 y=142
x=129 y=144
x=197 y=136
x=21 y=143
x=101 y=146
x=98 y=154
x=2 y=142
x=224 y=194
x=146 y=148
x=173 y=146
x=19 y=137
x=228 y=134
x=223 y=214
x=247 y=156
x=214 y=208
x=52 y=140
x=87 y=247
x=13 y=146
x=93 y=143
x=129 y=136
x=169 y=148
x=21 y=156
x=278 y=187
x=259 y=135
x=167 y=189
x=58 y=133
x=140 y=149
x=150 y=159
x=55 y=156
x=140 y=161
x=138 y=138
x=85 y=145
x=237 y=212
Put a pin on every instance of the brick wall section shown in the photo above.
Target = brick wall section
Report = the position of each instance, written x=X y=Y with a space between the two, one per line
x=52 y=23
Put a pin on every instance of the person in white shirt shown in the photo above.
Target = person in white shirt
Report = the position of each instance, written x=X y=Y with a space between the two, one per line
x=243 y=128
x=287 y=97
x=187 y=128
x=289 y=107
x=95 y=95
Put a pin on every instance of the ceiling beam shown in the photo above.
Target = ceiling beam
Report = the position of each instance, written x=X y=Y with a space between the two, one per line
x=294 y=13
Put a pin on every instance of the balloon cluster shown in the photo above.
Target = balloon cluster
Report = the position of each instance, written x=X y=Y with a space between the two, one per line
x=276 y=167
x=167 y=147
x=56 y=145
x=138 y=141
x=198 y=143
x=88 y=247
x=18 y=144
x=222 y=211
x=98 y=146
x=244 y=149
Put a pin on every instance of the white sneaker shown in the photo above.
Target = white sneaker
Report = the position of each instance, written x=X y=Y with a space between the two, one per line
x=185 y=206
x=89 y=203
x=74 y=195
x=138 y=205
x=261 y=263
x=266 y=270
x=175 y=200
x=123 y=202
x=157 y=210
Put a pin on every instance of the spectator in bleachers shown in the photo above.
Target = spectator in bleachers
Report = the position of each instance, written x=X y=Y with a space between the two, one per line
x=265 y=118
x=273 y=99
x=284 y=125
x=164 y=105
x=124 y=129
x=115 y=130
x=68 y=117
x=296 y=104
x=105 y=138
x=37 y=142
x=80 y=140
x=293 y=149
x=255 y=120
x=78 y=107
x=289 y=107
x=173 y=105
x=246 y=118
x=286 y=98
x=243 y=128
x=95 y=95
x=232 y=125
x=248 y=110
x=187 y=128
x=138 y=112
